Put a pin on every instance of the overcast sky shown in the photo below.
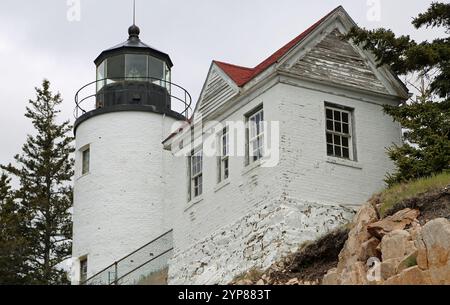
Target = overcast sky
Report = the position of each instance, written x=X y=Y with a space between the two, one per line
x=37 y=40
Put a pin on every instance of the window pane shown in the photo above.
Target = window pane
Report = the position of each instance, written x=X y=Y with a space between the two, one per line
x=252 y=127
x=337 y=127
x=345 y=117
x=345 y=142
x=201 y=185
x=226 y=165
x=337 y=140
x=329 y=138
x=330 y=125
x=330 y=150
x=346 y=153
x=100 y=75
x=197 y=163
x=337 y=150
x=337 y=115
x=116 y=68
x=345 y=129
x=85 y=161
x=225 y=144
x=329 y=114
x=156 y=69
x=260 y=147
x=136 y=65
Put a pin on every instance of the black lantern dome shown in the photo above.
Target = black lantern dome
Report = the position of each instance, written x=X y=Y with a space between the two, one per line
x=133 y=45
x=133 y=76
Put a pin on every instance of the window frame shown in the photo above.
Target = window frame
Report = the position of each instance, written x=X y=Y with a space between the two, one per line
x=340 y=135
x=224 y=156
x=128 y=63
x=83 y=273
x=85 y=170
x=258 y=137
x=195 y=174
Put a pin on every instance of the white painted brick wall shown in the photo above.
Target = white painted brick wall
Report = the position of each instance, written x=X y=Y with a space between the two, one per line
x=119 y=206
x=307 y=174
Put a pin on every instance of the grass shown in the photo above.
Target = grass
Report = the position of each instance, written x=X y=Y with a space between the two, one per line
x=253 y=275
x=401 y=192
x=411 y=262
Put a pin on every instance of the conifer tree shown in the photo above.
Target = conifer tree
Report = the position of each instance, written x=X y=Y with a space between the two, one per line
x=44 y=170
x=14 y=246
x=426 y=118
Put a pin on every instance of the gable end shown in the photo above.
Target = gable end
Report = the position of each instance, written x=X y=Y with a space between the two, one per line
x=216 y=91
x=336 y=61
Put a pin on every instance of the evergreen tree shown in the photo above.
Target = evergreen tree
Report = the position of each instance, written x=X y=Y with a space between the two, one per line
x=14 y=246
x=44 y=170
x=426 y=118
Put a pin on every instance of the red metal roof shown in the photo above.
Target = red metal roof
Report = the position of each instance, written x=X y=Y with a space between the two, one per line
x=242 y=75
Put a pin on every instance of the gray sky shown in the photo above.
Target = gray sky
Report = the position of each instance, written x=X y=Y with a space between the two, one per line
x=37 y=40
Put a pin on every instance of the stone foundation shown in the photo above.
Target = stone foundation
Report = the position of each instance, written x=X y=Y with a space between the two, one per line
x=257 y=240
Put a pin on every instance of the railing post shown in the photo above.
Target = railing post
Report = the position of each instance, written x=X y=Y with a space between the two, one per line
x=115 y=273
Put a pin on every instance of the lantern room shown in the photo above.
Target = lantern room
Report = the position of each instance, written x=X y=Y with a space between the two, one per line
x=133 y=60
x=132 y=76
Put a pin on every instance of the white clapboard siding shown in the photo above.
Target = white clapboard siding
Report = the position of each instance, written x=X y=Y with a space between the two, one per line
x=336 y=61
x=217 y=91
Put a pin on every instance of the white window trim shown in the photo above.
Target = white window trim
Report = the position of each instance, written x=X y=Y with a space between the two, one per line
x=82 y=160
x=349 y=136
x=224 y=155
x=253 y=136
x=199 y=175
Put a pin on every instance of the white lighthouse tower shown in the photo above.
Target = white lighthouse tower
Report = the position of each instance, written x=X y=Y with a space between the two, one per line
x=119 y=196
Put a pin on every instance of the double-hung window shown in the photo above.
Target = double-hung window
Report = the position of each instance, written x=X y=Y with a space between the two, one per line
x=197 y=173
x=255 y=136
x=224 y=157
x=339 y=132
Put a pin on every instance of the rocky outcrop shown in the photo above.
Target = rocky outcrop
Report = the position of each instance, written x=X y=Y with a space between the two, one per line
x=396 y=222
x=395 y=250
x=411 y=246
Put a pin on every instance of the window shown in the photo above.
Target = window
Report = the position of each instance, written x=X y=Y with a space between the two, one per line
x=85 y=162
x=115 y=68
x=339 y=132
x=83 y=270
x=197 y=173
x=255 y=142
x=101 y=76
x=136 y=66
x=224 y=158
x=156 y=70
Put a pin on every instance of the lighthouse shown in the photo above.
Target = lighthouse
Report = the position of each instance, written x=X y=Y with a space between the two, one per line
x=120 y=183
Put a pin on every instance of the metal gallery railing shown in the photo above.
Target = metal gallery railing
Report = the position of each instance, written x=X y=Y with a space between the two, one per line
x=139 y=266
x=86 y=97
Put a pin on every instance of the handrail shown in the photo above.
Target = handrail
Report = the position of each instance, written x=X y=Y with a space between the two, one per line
x=127 y=256
x=139 y=267
x=187 y=102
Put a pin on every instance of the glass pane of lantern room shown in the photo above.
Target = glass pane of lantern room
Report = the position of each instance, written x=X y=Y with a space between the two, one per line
x=115 y=68
x=136 y=66
x=156 y=70
x=168 y=77
x=100 y=76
